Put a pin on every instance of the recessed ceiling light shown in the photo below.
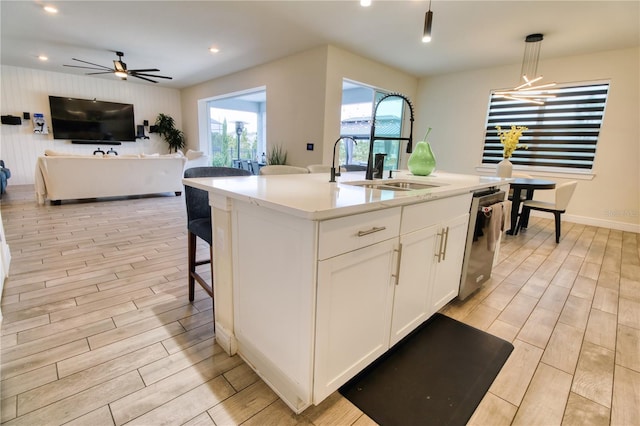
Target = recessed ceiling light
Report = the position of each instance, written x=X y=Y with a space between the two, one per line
x=365 y=3
x=43 y=58
x=50 y=9
x=214 y=50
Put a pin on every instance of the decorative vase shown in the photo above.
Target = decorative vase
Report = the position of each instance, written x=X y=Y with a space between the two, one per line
x=422 y=162
x=505 y=168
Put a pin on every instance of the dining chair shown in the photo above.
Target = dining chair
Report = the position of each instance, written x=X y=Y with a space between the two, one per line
x=199 y=222
x=245 y=165
x=563 y=195
x=277 y=169
x=255 y=167
x=319 y=168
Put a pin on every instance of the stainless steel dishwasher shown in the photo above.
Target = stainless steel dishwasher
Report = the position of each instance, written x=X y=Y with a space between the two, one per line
x=479 y=253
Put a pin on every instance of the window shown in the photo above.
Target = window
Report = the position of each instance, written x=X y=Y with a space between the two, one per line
x=357 y=109
x=563 y=133
x=236 y=128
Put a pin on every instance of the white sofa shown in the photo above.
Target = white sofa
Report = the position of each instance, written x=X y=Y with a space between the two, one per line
x=66 y=177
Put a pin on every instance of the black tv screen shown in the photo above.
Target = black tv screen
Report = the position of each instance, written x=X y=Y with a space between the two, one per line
x=91 y=120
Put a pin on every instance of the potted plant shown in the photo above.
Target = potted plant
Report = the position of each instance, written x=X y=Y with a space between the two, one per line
x=277 y=155
x=165 y=127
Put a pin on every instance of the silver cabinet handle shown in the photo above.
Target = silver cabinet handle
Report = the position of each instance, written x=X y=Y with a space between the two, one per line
x=446 y=241
x=439 y=253
x=371 y=231
x=397 y=274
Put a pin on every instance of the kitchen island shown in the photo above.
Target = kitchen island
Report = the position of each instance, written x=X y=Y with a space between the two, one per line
x=315 y=280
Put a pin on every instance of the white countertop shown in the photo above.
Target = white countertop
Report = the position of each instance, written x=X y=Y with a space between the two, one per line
x=312 y=196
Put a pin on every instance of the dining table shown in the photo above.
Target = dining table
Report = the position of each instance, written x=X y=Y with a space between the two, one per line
x=527 y=185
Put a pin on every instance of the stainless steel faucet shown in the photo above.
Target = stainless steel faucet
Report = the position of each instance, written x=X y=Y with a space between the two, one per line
x=335 y=173
x=371 y=167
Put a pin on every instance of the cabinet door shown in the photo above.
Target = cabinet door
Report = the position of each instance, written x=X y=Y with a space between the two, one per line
x=411 y=304
x=446 y=283
x=355 y=293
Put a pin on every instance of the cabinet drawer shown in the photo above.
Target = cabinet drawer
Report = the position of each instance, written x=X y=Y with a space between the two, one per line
x=337 y=236
x=418 y=216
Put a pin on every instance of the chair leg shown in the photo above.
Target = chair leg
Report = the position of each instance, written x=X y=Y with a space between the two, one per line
x=192 y=264
x=557 y=217
x=525 y=211
x=524 y=218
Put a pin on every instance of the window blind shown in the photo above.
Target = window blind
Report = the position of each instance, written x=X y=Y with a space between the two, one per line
x=563 y=133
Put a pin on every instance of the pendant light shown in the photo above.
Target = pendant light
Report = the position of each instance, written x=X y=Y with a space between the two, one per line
x=428 y=19
x=527 y=91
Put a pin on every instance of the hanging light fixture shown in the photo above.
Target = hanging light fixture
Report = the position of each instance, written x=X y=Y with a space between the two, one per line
x=527 y=91
x=428 y=19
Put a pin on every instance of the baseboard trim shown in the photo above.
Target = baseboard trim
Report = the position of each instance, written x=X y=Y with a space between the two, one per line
x=226 y=340
x=601 y=223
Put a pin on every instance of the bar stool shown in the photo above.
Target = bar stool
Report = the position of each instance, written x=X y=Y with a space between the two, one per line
x=199 y=221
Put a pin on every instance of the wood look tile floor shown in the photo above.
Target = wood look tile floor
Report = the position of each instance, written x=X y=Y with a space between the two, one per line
x=98 y=329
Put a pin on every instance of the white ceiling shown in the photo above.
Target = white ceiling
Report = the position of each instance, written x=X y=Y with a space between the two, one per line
x=175 y=36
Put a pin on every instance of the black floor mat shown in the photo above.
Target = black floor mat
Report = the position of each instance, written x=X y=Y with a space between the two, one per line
x=435 y=376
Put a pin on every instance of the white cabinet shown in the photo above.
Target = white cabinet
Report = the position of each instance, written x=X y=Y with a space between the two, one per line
x=355 y=293
x=446 y=281
x=372 y=293
x=432 y=242
x=412 y=291
x=315 y=302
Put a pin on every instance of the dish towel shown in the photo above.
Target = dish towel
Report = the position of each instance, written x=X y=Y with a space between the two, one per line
x=500 y=214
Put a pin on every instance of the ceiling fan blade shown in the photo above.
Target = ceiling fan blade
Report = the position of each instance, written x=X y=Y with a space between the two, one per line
x=120 y=69
x=143 y=78
x=89 y=68
x=91 y=63
x=135 y=74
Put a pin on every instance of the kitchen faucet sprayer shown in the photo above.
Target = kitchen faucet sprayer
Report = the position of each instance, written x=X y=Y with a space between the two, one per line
x=335 y=173
x=373 y=137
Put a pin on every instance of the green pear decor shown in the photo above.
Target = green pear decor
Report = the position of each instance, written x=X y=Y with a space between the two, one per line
x=422 y=162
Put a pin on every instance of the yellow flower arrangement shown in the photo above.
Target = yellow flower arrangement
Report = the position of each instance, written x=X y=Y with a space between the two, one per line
x=510 y=138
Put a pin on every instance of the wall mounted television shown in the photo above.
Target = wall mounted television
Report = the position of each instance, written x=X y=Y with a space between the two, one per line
x=91 y=121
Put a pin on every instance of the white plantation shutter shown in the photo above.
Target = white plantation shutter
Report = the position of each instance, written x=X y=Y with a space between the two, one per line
x=563 y=133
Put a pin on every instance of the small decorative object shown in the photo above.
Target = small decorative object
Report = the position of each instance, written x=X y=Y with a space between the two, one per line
x=509 y=140
x=165 y=127
x=505 y=168
x=39 y=124
x=422 y=161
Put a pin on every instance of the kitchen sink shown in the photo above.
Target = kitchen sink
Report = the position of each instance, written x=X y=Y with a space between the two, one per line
x=394 y=185
x=409 y=185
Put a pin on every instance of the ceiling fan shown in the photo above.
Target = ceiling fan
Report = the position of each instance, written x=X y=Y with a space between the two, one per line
x=120 y=69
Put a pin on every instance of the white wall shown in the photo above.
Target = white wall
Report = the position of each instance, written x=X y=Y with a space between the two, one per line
x=455 y=105
x=304 y=94
x=342 y=64
x=295 y=102
x=28 y=90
